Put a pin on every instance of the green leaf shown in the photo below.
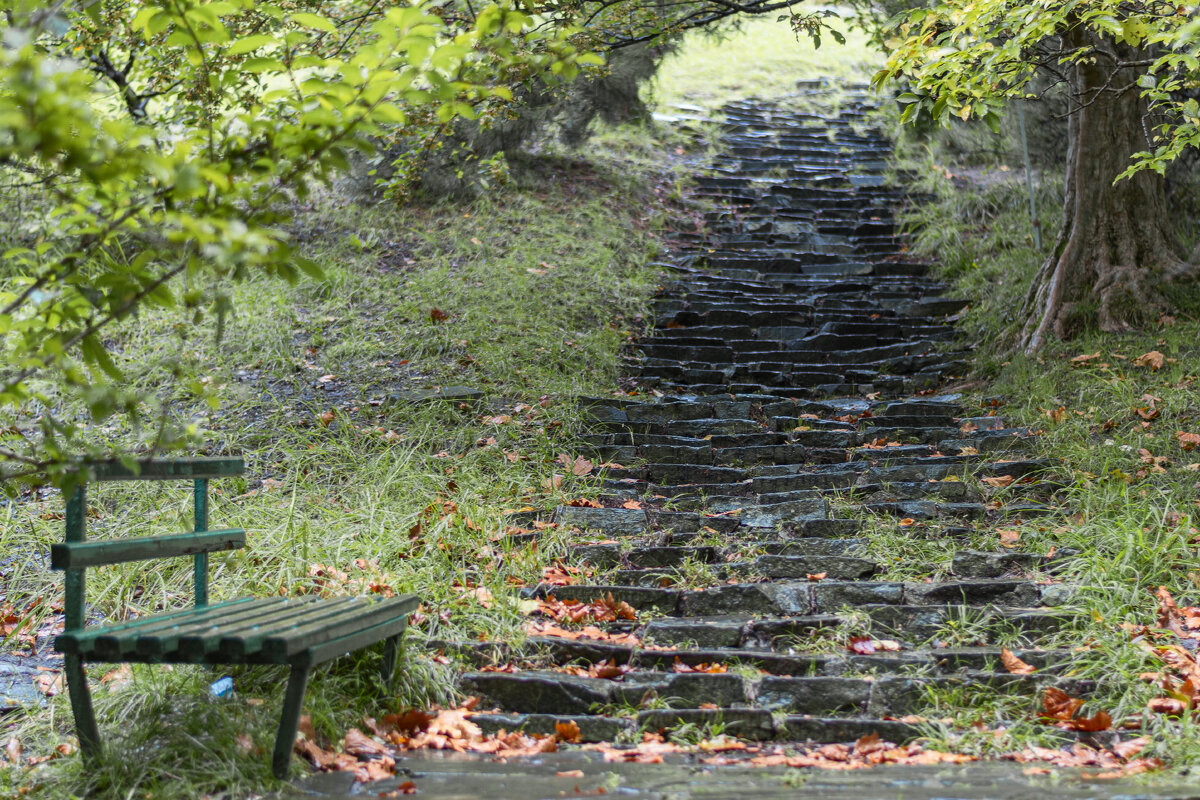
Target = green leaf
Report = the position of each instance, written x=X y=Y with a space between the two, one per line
x=249 y=44
x=314 y=21
x=95 y=353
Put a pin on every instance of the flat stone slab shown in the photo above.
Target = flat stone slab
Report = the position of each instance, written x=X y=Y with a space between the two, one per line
x=459 y=394
x=575 y=772
x=17 y=689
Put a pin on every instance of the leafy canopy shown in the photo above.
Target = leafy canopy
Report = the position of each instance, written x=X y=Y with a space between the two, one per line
x=965 y=58
x=158 y=145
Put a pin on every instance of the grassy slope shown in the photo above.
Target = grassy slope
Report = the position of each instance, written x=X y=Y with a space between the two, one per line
x=331 y=502
x=1133 y=523
x=542 y=283
x=761 y=58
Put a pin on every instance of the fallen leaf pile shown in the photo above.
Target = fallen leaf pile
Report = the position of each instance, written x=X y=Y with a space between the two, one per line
x=540 y=628
x=1118 y=762
x=1063 y=711
x=20 y=622
x=869 y=751
x=371 y=756
x=650 y=750
x=1179 y=679
x=559 y=574
x=605 y=609
x=362 y=577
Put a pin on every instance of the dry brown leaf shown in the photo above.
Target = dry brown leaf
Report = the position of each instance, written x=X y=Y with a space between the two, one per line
x=999 y=481
x=1009 y=537
x=1154 y=360
x=1167 y=705
x=1188 y=441
x=1013 y=664
x=1083 y=359
x=567 y=731
x=358 y=743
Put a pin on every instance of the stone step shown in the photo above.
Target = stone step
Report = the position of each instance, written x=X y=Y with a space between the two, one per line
x=734 y=691
x=791 y=597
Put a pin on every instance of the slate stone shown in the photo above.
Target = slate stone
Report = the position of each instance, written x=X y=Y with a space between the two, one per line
x=538 y=692
x=832 y=596
x=832 y=730
x=977 y=564
x=707 y=632
x=746 y=599
x=744 y=723
x=687 y=690
x=814 y=695
x=834 y=567
x=609 y=521
x=449 y=394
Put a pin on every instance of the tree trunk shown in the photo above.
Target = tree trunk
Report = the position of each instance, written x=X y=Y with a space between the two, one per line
x=1117 y=246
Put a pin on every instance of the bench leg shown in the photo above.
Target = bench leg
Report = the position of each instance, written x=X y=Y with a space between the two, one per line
x=81 y=707
x=289 y=721
x=391 y=650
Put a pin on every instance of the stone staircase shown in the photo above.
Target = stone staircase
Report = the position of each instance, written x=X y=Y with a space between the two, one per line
x=734 y=577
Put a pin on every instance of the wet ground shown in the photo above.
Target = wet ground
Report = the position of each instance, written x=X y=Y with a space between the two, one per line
x=577 y=774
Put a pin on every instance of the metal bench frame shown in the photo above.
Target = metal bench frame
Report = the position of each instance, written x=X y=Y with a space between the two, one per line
x=299 y=633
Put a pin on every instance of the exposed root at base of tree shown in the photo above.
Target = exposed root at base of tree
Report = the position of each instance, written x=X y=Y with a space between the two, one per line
x=1122 y=297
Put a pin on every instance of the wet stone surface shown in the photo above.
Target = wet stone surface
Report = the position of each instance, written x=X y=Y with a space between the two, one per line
x=575 y=774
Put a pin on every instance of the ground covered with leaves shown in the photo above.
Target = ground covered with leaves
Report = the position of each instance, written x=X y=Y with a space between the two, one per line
x=370 y=467
x=1118 y=417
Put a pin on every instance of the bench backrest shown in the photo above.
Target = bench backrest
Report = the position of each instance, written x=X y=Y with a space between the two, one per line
x=76 y=554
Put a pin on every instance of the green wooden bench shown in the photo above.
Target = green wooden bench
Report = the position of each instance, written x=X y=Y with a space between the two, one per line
x=297 y=632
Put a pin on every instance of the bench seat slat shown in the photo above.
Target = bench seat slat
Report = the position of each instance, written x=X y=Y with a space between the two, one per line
x=357 y=613
x=78 y=555
x=200 y=643
x=290 y=642
x=264 y=631
x=363 y=638
x=82 y=641
x=172 y=638
x=124 y=643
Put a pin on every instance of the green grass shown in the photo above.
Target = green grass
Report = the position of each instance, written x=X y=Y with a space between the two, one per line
x=761 y=57
x=1131 y=525
x=541 y=287
x=537 y=286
